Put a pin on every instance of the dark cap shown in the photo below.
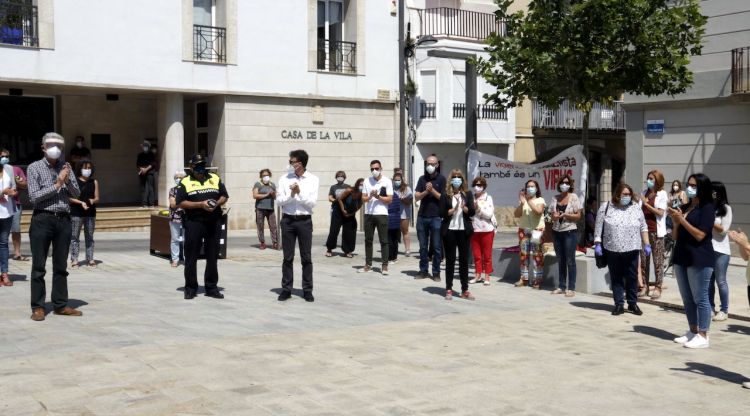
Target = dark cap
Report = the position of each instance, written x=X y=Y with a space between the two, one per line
x=197 y=159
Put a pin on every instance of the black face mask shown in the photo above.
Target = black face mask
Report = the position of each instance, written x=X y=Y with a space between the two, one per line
x=200 y=169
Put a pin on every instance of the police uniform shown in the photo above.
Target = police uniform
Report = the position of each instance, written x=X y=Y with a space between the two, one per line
x=201 y=226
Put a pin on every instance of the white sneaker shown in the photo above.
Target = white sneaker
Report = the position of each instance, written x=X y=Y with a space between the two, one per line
x=746 y=384
x=384 y=269
x=685 y=338
x=721 y=316
x=393 y=262
x=697 y=342
x=366 y=269
x=475 y=280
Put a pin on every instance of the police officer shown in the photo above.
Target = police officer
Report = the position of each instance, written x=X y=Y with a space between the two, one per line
x=201 y=195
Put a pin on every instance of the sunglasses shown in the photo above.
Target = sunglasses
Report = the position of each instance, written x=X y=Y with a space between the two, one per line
x=292 y=162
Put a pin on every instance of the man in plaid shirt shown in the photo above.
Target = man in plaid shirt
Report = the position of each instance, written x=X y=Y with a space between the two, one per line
x=50 y=188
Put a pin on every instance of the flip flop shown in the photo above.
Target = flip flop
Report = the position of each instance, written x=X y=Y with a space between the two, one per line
x=329 y=254
x=349 y=255
x=20 y=258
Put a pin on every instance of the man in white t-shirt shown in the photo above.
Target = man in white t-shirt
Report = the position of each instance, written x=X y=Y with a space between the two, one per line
x=377 y=193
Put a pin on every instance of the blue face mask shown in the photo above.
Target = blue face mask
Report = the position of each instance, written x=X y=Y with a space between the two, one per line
x=396 y=183
x=650 y=184
x=531 y=190
x=4 y=160
x=625 y=200
x=691 y=191
x=456 y=182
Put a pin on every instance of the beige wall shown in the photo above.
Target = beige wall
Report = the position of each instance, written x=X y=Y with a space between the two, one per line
x=253 y=140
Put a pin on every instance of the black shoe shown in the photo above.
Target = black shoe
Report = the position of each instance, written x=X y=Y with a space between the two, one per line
x=619 y=310
x=189 y=293
x=309 y=297
x=285 y=294
x=215 y=294
x=436 y=277
x=635 y=310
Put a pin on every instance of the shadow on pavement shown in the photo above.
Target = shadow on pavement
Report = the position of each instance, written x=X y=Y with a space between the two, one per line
x=737 y=329
x=201 y=289
x=592 y=305
x=295 y=292
x=713 y=371
x=17 y=277
x=435 y=290
x=654 y=332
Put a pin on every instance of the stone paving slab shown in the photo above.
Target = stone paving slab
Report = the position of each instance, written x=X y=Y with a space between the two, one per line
x=369 y=345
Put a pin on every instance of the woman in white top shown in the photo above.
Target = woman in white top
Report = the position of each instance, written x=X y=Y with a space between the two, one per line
x=566 y=211
x=484 y=231
x=7 y=209
x=720 y=242
x=456 y=209
x=654 y=205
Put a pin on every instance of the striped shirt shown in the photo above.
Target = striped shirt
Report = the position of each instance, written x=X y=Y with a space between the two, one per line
x=42 y=191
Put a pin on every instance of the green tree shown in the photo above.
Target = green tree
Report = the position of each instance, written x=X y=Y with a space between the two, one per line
x=591 y=51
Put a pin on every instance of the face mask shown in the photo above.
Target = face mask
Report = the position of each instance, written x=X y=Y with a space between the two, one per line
x=478 y=189
x=375 y=173
x=200 y=169
x=675 y=188
x=456 y=182
x=650 y=184
x=692 y=191
x=79 y=144
x=430 y=169
x=360 y=188
x=290 y=168
x=177 y=181
x=145 y=148
x=340 y=179
x=85 y=173
x=4 y=160
x=53 y=152
x=564 y=188
x=625 y=200
x=266 y=179
x=531 y=190
x=397 y=183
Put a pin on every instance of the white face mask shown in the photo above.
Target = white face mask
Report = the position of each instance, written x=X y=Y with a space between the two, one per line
x=340 y=179
x=478 y=189
x=675 y=188
x=430 y=169
x=53 y=152
x=290 y=168
x=361 y=188
x=564 y=188
x=375 y=173
x=145 y=148
x=177 y=181
x=266 y=179
x=79 y=144
x=85 y=173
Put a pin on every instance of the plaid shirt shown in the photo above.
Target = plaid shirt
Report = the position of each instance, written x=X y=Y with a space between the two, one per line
x=42 y=191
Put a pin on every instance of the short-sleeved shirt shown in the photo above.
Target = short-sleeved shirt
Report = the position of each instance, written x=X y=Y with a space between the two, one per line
x=18 y=173
x=193 y=190
x=720 y=240
x=429 y=206
x=336 y=190
x=175 y=214
x=689 y=252
x=573 y=206
x=267 y=202
x=384 y=186
x=529 y=218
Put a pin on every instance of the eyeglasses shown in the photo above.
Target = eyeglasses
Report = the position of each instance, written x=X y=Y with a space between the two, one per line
x=374 y=169
x=292 y=162
x=454 y=177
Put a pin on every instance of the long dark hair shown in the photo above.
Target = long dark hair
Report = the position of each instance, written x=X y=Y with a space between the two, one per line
x=720 y=199
x=705 y=190
x=355 y=189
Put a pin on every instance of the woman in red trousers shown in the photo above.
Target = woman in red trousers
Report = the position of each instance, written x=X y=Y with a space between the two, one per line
x=484 y=224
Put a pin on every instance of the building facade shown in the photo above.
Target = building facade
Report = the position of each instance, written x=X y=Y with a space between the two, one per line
x=707 y=129
x=238 y=81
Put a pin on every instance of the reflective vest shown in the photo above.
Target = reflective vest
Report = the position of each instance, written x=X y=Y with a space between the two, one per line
x=194 y=187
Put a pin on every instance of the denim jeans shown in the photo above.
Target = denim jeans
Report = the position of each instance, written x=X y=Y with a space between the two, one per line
x=565 y=250
x=693 y=283
x=720 y=276
x=428 y=228
x=175 y=230
x=5 y=224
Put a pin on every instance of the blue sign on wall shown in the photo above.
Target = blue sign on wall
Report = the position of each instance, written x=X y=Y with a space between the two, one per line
x=655 y=126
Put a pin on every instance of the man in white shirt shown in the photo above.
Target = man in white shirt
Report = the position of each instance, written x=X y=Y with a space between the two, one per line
x=297 y=194
x=377 y=193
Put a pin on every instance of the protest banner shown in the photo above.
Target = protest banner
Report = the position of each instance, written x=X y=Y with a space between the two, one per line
x=506 y=178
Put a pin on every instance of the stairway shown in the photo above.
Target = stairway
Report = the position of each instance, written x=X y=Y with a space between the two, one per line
x=110 y=219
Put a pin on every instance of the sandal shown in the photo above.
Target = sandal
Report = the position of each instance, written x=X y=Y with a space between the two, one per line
x=92 y=263
x=74 y=265
x=349 y=255
x=6 y=280
x=521 y=283
x=656 y=293
x=20 y=258
x=329 y=254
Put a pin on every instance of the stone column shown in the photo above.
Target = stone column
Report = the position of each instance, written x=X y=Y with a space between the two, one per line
x=170 y=115
x=605 y=182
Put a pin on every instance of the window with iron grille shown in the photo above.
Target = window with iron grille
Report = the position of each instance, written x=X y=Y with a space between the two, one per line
x=19 y=23
x=209 y=38
x=335 y=53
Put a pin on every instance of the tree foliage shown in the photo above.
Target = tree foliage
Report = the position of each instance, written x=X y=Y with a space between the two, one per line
x=591 y=51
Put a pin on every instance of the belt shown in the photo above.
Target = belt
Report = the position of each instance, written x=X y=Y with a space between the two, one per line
x=55 y=213
x=297 y=217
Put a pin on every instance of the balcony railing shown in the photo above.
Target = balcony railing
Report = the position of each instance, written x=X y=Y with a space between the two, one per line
x=18 y=24
x=209 y=43
x=484 y=112
x=337 y=56
x=741 y=70
x=427 y=110
x=568 y=117
x=445 y=21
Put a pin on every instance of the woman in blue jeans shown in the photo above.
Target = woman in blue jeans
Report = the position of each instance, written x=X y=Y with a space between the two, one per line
x=7 y=209
x=722 y=251
x=566 y=211
x=694 y=258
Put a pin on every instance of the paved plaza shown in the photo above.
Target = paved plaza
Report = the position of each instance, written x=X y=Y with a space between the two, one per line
x=369 y=345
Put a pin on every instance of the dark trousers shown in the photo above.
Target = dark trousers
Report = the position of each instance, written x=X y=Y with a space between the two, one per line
x=565 y=250
x=456 y=239
x=148 y=188
x=48 y=229
x=293 y=230
x=197 y=234
x=394 y=238
x=371 y=223
x=348 y=228
x=623 y=272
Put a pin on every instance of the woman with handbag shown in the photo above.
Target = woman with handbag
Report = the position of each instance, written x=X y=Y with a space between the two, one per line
x=456 y=209
x=566 y=211
x=621 y=232
x=530 y=210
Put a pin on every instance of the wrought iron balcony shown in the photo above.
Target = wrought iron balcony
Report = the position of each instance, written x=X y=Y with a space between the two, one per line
x=741 y=70
x=337 y=56
x=426 y=110
x=567 y=117
x=18 y=24
x=484 y=112
x=209 y=43
x=457 y=23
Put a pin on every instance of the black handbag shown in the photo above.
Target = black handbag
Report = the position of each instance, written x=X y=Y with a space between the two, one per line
x=601 y=261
